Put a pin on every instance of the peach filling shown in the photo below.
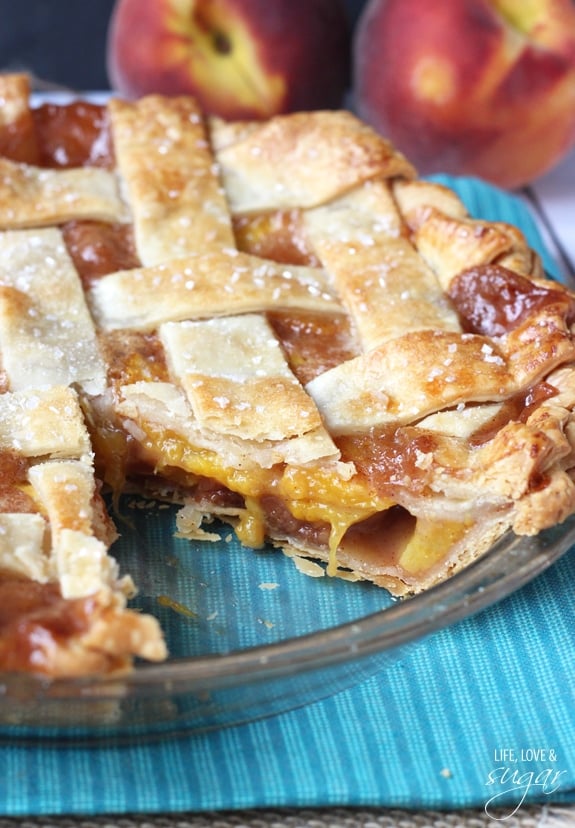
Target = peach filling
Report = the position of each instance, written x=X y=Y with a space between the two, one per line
x=314 y=508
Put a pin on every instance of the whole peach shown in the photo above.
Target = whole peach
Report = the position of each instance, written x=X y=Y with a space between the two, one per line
x=475 y=87
x=239 y=58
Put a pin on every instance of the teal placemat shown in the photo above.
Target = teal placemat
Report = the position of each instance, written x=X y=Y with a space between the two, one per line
x=479 y=714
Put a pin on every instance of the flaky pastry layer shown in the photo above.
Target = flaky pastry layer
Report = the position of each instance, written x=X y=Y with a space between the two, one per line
x=274 y=324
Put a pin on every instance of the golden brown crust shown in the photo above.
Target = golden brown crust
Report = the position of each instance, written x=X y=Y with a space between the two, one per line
x=36 y=197
x=304 y=160
x=48 y=336
x=385 y=286
x=168 y=171
x=44 y=422
x=92 y=636
x=205 y=286
x=445 y=418
x=237 y=379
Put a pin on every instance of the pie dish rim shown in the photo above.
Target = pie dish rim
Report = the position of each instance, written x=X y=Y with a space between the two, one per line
x=475 y=588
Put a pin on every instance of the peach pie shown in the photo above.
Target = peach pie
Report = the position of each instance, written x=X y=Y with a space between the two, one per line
x=272 y=324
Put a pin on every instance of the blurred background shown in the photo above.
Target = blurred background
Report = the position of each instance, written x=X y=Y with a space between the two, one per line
x=63 y=41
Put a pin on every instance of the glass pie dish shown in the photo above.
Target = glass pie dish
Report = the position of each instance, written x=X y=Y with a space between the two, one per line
x=249 y=633
x=251 y=636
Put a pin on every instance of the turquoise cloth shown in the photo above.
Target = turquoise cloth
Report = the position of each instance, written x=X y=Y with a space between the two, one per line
x=478 y=714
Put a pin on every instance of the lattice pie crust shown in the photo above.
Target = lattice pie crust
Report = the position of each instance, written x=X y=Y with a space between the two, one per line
x=275 y=324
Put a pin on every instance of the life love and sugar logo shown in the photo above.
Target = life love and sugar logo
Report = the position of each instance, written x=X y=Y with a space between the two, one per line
x=518 y=774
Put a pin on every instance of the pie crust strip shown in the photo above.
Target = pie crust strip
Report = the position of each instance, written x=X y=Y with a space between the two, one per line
x=170 y=178
x=47 y=334
x=214 y=284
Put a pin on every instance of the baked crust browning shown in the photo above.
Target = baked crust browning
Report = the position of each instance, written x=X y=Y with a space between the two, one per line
x=164 y=161
x=205 y=286
x=301 y=160
x=272 y=324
